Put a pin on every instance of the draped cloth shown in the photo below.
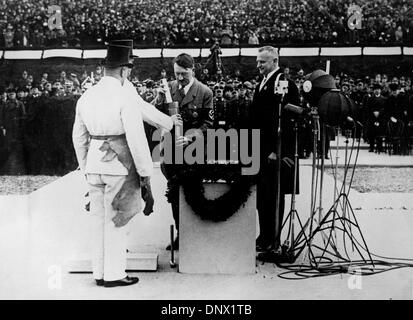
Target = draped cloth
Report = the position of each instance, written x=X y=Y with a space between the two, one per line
x=127 y=201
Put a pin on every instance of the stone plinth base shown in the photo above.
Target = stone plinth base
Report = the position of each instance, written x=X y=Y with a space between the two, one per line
x=217 y=247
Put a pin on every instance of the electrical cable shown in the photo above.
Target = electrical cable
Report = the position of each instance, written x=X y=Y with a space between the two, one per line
x=326 y=266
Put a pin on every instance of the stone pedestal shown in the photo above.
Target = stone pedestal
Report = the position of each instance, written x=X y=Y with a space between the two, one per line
x=226 y=247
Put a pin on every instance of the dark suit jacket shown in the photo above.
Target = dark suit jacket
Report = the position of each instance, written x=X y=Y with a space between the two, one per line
x=196 y=108
x=264 y=116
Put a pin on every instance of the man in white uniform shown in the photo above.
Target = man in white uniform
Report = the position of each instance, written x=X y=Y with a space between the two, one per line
x=150 y=114
x=113 y=153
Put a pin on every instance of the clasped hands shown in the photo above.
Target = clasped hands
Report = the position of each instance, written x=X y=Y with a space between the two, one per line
x=180 y=141
x=177 y=119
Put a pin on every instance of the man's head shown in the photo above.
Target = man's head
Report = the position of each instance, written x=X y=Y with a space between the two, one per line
x=377 y=78
x=393 y=88
x=57 y=85
x=377 y=89
x=120 y=73
x=267 y=60
x=219 y=92
x=48 y=86
x=184 y=69
x=228 y=93
x=242 y=90
x=11 y=94
x=118 y=62
x=140 y=88
x=345 y=87
x=35 y=92
x=20 y=93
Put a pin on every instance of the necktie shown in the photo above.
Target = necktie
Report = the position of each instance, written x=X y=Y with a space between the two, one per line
x=182 y=92
x=263 y=82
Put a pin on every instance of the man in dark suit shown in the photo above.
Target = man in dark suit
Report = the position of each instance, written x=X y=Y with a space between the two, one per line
x=196 y=109
x=265 y=116
x=376 y=120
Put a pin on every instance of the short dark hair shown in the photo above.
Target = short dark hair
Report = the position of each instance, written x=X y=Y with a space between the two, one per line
x=184 y=60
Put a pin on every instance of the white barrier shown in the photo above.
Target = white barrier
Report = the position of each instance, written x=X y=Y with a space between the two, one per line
x=67 y=53
x=299 y=52
x=205 y=52
x=17 y=55
x=172 y=53
x=408 y=51
x=94 y=54
x=249 y=52
x=341 y=51
x=382 y=51
x=230 y=52
x=147 y=53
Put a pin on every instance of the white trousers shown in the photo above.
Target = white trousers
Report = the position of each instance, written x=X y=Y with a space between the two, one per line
x=109 y=247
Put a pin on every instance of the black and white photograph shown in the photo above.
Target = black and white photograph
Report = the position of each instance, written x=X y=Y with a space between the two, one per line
x=219 y=152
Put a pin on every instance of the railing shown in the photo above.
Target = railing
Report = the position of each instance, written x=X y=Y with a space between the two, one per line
x=100 y=53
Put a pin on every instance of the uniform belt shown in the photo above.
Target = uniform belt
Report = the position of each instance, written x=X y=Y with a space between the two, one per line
x=120 y=136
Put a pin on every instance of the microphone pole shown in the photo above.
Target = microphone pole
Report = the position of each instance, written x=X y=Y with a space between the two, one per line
x=278 y=172
x=281 y=88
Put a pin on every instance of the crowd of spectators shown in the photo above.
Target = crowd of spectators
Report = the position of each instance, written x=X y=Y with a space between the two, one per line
x=381 y=101
x=229 y=89
x=24 y=23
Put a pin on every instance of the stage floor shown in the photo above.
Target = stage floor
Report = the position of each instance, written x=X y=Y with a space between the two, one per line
x=40 y=232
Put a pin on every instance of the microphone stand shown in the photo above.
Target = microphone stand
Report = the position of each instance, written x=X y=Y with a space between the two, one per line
x=315 y=130
x=288 y=247
x=278 y=170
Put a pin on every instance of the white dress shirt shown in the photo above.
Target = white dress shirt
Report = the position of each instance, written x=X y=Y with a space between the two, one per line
x=265 y=79
x=188 y=86
x=150 y=114
x=106 y=109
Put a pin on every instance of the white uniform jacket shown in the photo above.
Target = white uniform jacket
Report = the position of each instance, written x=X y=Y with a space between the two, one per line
x=106 y=109
x=150 y=114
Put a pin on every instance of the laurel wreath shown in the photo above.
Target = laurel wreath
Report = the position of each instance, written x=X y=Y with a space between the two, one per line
x=193 y=178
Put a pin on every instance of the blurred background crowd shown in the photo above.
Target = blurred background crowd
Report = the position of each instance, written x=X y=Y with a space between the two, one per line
x=380 y=100
x=167 y=23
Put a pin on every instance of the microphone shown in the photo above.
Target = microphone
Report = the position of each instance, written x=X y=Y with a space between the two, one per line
x=294 y=108
x=281 y=86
